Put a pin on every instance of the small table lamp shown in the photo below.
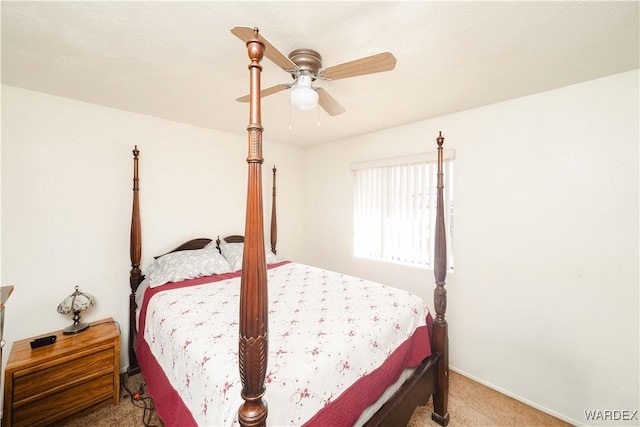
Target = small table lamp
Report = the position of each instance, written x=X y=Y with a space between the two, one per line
x=76 y=302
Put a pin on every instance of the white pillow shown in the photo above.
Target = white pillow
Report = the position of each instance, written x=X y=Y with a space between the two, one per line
x=233 y=253
x=183 y=265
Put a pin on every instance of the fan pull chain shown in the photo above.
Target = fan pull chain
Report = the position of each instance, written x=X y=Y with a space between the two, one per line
x=289 y=115
x=318 y=111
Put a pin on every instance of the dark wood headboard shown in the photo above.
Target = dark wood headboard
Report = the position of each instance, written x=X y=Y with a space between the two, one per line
x=190 y=245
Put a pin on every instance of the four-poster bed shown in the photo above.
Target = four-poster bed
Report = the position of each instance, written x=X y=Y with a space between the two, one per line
x=411 y=363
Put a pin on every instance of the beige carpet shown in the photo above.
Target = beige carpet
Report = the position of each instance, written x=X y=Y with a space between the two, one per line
x=470 y=404
x=473 y=404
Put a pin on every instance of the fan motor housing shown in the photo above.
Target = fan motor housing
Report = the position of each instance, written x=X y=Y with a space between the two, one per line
x=307 y=60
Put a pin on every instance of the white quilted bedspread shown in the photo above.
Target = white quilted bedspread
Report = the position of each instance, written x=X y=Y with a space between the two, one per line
x=326 y=330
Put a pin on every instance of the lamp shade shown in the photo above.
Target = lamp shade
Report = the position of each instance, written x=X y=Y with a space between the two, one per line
x=75 y=303
x=303 y=97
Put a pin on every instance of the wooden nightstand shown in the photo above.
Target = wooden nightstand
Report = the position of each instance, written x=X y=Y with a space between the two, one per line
x=72 y=376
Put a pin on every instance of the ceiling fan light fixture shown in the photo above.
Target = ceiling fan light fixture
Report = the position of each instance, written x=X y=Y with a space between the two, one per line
x=303 y=97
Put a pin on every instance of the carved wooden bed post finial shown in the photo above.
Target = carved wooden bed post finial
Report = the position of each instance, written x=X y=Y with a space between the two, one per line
x=440 y=328
x=135 y=253
x=253 y=340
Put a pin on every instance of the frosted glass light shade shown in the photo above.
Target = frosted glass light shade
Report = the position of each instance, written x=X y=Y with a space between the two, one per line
x=75 y=303
x=303 y=97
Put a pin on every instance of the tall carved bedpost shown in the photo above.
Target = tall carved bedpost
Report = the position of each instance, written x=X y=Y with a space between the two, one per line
x=440 y=329
x=253 y=341
x=274 y=221
x=135 y=253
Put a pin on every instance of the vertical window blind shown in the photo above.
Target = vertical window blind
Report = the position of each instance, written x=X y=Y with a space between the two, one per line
x=395 y=208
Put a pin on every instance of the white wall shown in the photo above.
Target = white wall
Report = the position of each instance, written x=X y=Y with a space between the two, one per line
x=543 y=304
x=66 y=201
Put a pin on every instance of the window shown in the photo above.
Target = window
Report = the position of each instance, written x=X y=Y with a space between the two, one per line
x=395 y=208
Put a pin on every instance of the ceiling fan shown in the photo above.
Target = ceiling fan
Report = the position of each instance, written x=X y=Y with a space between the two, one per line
x=305 y=66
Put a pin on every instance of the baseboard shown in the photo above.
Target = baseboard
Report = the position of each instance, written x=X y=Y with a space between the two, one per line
x=518 y=398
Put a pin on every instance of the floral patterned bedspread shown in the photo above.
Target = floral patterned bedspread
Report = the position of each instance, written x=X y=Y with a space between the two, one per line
x=335 y=343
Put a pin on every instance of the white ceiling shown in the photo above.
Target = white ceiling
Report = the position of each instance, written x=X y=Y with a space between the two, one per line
x=179 y=60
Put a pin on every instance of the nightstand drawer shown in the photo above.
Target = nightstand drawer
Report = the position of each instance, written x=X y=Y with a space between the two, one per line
x=67 y=402
x=33 y=384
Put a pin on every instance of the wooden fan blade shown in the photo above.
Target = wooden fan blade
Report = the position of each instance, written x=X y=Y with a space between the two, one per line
x=266 y=92
x=371 y=64
x=329 y=104
x=246 y=33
